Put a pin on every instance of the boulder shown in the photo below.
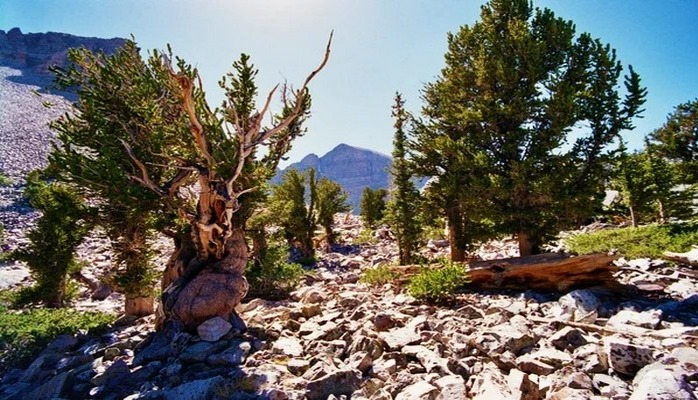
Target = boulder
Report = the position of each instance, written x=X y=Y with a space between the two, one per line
x=581 y=305
x=624 y=318
x=213 y=329
x=340 y=382
x=625 y=357
x=672 y=377
x=397 y=338
x=490 y=384
x=232 y=356
x=418 y=391
x=199 y=352
x=450 y=387
x=201 y=389
x=288 y=346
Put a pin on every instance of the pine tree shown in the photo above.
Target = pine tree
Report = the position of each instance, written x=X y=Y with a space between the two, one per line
x=498 y=117
x=331 y=200
x=405 y=199
x=142 y=131
x=677 y=140
x=372 y=206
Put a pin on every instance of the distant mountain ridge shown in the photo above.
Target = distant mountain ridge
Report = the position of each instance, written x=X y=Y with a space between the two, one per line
x=39 y=51
x=352 y=167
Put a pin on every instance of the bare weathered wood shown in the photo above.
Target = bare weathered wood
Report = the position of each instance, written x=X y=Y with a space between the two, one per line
x=688 y=258
x=545 y=272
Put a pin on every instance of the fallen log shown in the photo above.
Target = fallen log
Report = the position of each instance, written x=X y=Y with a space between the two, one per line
x=689 y=258
x=545 y=272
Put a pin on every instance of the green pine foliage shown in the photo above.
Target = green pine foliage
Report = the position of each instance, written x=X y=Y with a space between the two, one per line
x=498 y=121
x=402 y=214
x=372 y=206
x=272 y=276
x=296 y=217
x=650 y=187
x=52 y=242
x=644 y=241
x=438 y=285
x=301 y=203
x=126 y=104
x=331 y=200
x=677 y=140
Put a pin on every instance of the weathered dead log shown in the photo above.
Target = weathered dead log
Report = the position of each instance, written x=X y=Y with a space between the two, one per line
x=544 y=272
x=688 y=258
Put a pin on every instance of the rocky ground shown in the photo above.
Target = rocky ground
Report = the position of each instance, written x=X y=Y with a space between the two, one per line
x=338 y=338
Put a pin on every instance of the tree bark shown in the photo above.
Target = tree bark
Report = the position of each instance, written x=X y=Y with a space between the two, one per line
x=139 y=306
x=206 y=288
x=528 y=245
x=546 y=272
x=455 y=233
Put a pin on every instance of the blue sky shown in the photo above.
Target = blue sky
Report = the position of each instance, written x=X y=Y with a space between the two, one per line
x=380 y=46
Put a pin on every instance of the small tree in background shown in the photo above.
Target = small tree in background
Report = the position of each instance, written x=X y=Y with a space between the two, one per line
x=331 y=200
x=52 y=242
x=405 y=200
x=677 y=140
x=296 y=217
x=372 y=206
x=301 y=202
x=650 y=186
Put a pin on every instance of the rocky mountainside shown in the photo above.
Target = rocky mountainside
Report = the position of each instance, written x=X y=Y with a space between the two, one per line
x=26 y=108
x=337 y=338
x=39 y=51
x=352 y=167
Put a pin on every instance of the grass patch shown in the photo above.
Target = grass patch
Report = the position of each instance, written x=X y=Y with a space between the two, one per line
x=438 y=285
x=646 y=241
x=366 y=236
x=378 y=276
x=25 y=333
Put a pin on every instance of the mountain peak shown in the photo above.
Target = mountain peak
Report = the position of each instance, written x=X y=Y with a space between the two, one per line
x=352 y=167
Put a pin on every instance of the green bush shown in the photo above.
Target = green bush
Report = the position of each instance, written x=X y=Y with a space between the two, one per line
x=437 y=285
x=378 y=276
x=366 y=236
x=646 y=241
x=272 y=276
x=5 y=181
x=61 y=228
x=24 y=334
x=372 y=205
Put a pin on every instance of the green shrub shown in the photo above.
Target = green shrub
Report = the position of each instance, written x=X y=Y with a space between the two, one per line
x=366 y=236
x=372 y=205
x=378 y=276
x=646 y=241
x=437 y=285
x=5 y=181
x=61 y=228
x=272 y=276
x=24 y=334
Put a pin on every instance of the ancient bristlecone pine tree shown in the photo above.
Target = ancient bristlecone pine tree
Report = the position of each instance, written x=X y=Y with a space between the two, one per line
x=199 y=166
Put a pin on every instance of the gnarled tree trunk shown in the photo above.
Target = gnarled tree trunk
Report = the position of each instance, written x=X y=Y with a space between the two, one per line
x=204 y=278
